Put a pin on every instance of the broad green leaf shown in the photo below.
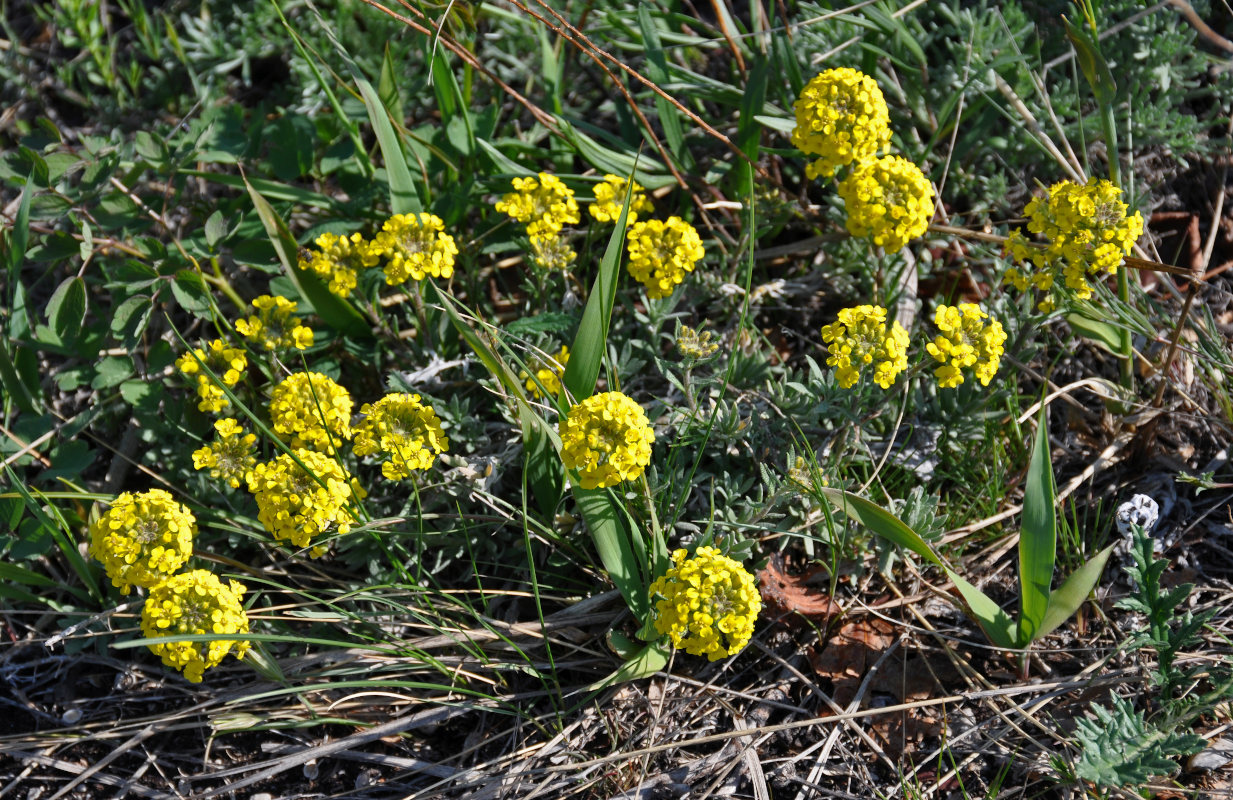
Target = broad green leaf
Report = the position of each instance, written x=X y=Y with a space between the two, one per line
x=587 y=352
x=608 y=160
x=66 y=310
x=19 y=234
x=191 y=292
x=215 y=229
x=1092 y=63
x=503 y=163
x=644 y=663
x=271 y=190
x=657 y=73
x=453 y=104
x=542 y=460
x=613 y=542
x=404 y=198
x=781 y=124
x=748 y=129
x=16 y=574
x=1066 y=599
x=387 y=85
x=1096 y=331
x=336 y=312
x=996 y=624
x=1037 y=534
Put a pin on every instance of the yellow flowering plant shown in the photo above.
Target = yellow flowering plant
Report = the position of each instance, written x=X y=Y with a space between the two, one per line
x=311 y=410
x=301 y=497
x=546 y=372
x=888 y=200
x=544 y=204
x=195 y=603
x=275 y=326
x=338 y=260
x=1087 y=232
x=415 y=246
x=706 y=604
x=841 y=117
x=966 y=340
x=229 y=457
x=859 y=339
x=143 y=538
x=607 y=439
x=610 y=199
x=228 y=363
x=662 y=253
x=552 y=252
x=404 y=430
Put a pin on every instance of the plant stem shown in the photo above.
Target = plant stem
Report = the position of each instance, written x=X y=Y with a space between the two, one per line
x=1125 y=351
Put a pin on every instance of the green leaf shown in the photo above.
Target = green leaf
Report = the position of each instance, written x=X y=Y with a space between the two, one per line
x=191 y=293
x=612 y=162
x=404 y=198
x=587 y=352
x=215 y=229
x=336 y=312
x=643 y=663
x=748 y=129
x=542 y=461
x=1092 y=63
x=781 y=124
x=657 y=72
x=1120 y=748
x=546 y=322
x=271 y=190
x=613 y=542
x=1096 y=331
x=1037 y=534
x=459 y=125
x=1065 y=600
x=24 y=396
x=387 y=85
x=19 y=234
x=66 y=310
x=996 y=624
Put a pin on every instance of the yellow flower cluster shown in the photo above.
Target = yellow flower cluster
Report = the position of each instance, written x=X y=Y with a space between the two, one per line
x=610 y=198
x=416 y=247
x=966 y=341
x=228 y=363
x=552 y=253
x=692 y=344
x=887 y=199
x=548 y=372
x=230 y=456
x=143 y=538
x=707 y=604
x=860 y=338
x=295 y=505
x=311 y=409
x=193 y=603
x=339 y=260
x=1087 y=232
x=544 y=204
x=607 y=438
x=661 y=253
x=275 y=326
x=403 y=429
x=841 y=117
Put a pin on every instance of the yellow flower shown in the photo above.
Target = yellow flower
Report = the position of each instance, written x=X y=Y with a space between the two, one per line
x=295 y=505
x=707 y=604
x=143 y=538
x=403 y=429
x=966 y=341
x=887 y=199
x=230 y=456
x=275 y=326
x=1087 y=232
x=194 y=603
x=607 y=438
x=312 y=409
x=552 y=252
x=661 y=253
x=860 y=338
x=228 y=363
x=841 y=117
x=548 y=372
x=339 y=260
x=610 y=197
x=416 y=247
x=545 y=205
